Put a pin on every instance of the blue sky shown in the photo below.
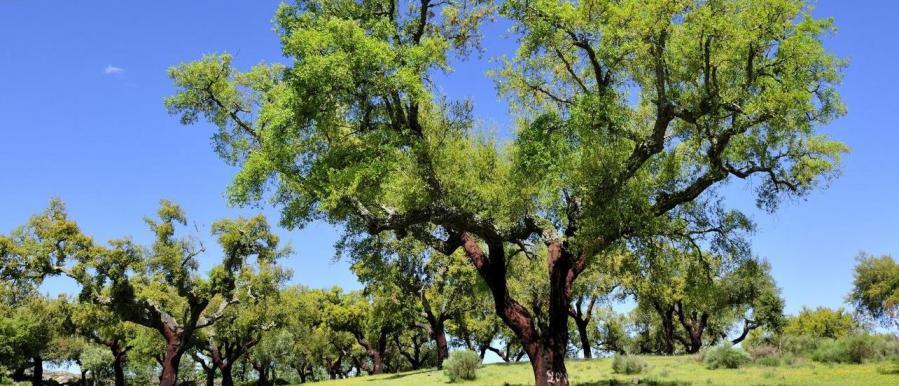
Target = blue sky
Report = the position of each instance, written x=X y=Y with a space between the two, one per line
x=81 y=118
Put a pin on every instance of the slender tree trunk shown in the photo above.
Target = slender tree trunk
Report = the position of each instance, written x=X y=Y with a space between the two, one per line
x=227 y=377
x=585 y=337
x=210 y=375
x=262 y=378
x=442 y=345
x=37 y=375
x=118 y=367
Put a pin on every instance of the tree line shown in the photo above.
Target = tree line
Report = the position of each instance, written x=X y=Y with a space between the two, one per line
x=146 y=313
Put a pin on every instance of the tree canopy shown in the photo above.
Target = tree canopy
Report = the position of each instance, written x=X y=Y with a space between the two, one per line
x=631 y=112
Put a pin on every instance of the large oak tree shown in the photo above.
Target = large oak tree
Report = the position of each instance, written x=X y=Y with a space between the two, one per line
x=628 y=110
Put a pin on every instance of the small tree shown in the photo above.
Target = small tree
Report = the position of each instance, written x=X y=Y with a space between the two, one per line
x=875 y=290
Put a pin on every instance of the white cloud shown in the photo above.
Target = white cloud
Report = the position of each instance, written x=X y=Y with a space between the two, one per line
x=113 y=70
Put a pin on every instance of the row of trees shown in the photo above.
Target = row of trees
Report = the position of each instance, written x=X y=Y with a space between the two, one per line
x=149 y=306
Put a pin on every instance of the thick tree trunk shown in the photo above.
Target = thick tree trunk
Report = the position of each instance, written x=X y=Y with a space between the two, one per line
x=547 y=352
x=442 y=346
x=585 y=337
x=171 y=359
x=377 y=362
x=548 y=364
x=37 y=375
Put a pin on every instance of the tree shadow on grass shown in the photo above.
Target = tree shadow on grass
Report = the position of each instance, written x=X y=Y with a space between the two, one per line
x=616 y=382
x=401 y=375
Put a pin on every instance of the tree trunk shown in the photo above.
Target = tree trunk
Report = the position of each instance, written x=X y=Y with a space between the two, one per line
x=171 y=359
x=37 y=375
x=210 y=375
x=585 y=338
x=377 y=362
x=262 y=375
x=442 y=346
x=118 y=367
x=547 y=352
x=227 y=377
x=548 y=364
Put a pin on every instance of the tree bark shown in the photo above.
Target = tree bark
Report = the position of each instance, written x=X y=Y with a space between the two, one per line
x=210 y=375
x=172 y=357
x=262 y=374
x=37 y=374
x=548 y=364
x=442 y=345
x=585 y=338
x=546 y=351
x=227 y=377
x=118 y=366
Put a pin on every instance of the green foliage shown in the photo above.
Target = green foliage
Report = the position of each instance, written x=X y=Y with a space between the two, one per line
x=630 y=113
x=857 y=348
x=725 y=356
x=626 y=364
x=462 y=365
x=821 y=322
x=875 y=290
x=29 y=328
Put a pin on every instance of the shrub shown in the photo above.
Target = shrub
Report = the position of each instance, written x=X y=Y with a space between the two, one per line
x=802 y=345
x=462 y=365
x=762 y=351
x=857 y=348
x=725 y=356
x=772 y=361
x=625 y=364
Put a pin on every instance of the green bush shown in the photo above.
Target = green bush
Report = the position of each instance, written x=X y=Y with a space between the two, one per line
x=856 y=348
x=802 y=345
x=625 y=364
x=462 y=365
x=725 y=356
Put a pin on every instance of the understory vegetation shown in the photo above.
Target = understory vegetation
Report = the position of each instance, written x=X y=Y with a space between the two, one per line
x=684 y=370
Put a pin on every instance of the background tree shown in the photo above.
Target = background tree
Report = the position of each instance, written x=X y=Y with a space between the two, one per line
x=101 y=326
x=157 y=287
x=29 y=327
x=697 y=297
x=318 y=351
x=630 y=110
x=875 y=288
x=258 y=309
x=588 y=295
x=821 y=322
x=441 y=284
x=371 y=320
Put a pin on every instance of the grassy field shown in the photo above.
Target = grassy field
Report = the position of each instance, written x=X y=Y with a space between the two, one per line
x=662 y=371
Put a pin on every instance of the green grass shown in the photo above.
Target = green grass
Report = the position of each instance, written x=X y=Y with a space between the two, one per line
x=662 y=371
